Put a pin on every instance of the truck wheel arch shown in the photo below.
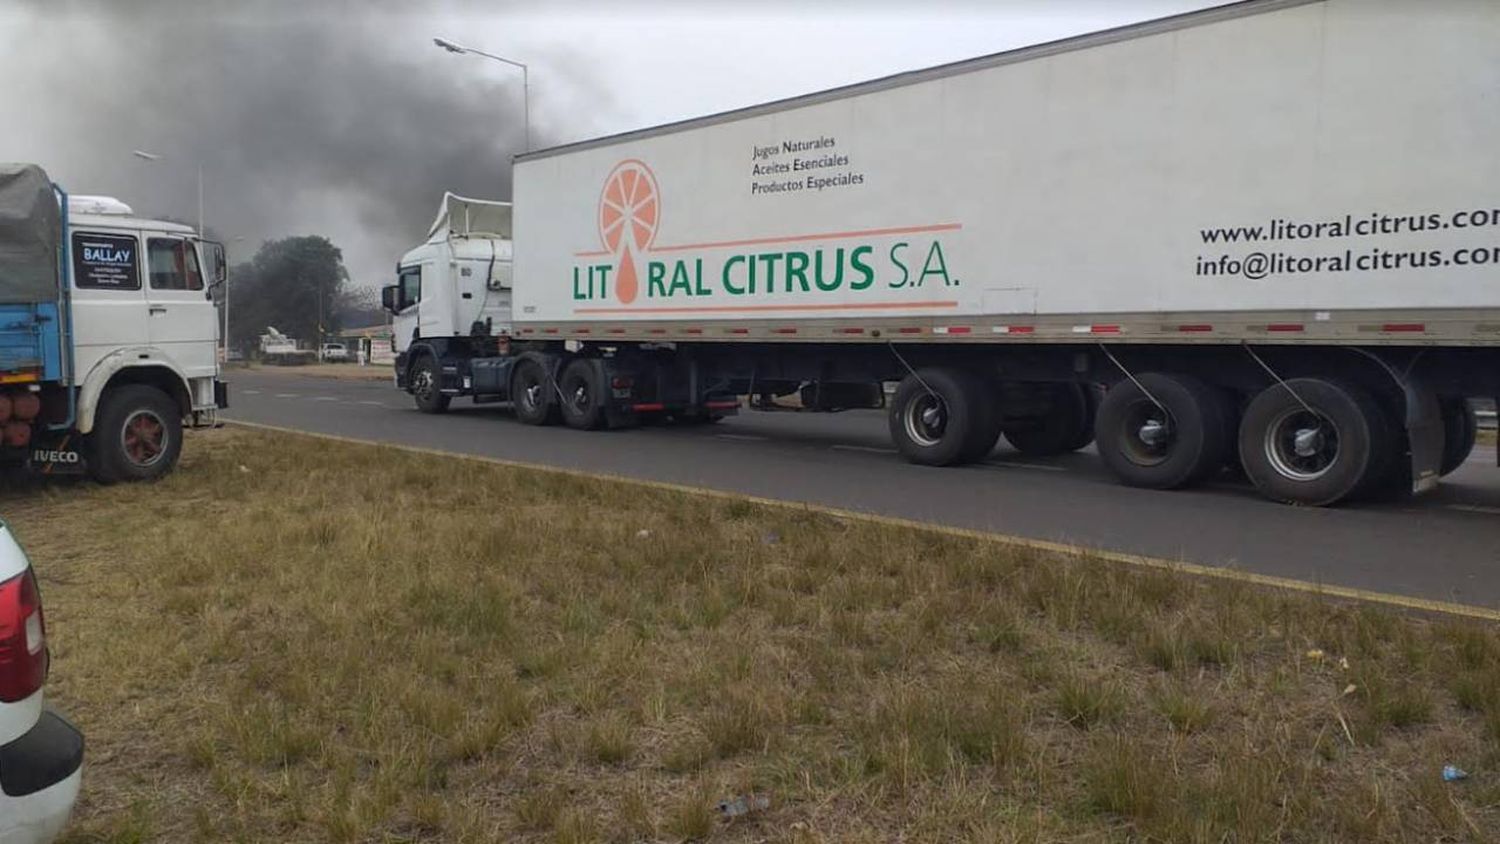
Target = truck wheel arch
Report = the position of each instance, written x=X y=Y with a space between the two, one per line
x=129 y=367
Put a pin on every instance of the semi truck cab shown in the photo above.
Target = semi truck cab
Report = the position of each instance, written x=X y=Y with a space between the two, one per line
x=451 y=303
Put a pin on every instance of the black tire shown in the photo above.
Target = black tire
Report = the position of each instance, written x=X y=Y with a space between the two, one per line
x=424 y=382
x=137 y=435
x=1092 y=395
x=1460 y=430
x=943 y=417
x=1346 y=446
x=1146 y=446
x=1067 y=425
x=582 y=396
x=531 y=394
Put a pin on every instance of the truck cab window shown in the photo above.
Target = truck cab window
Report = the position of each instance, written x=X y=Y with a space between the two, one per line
x=173 y=264
x=411 y=286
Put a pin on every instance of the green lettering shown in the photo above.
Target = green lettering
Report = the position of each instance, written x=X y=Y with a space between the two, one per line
x=796 y=269
x=578 y=294
x=905 y=276
x=698 y=288
x=770 y=258
x=838 y=263
x=935 y=265
x=680 y=280
x=656 y=276
x=867 y=273
x=729 y=284
x=603 y=271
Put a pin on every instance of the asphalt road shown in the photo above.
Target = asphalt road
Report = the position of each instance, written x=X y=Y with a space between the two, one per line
x=1443 y=546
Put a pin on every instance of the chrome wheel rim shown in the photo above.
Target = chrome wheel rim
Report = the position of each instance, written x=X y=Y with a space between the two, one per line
x=1147 y=434
x=926 y=420
x=1302 y=445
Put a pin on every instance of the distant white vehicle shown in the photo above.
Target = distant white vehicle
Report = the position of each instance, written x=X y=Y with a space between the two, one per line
x=334 y=352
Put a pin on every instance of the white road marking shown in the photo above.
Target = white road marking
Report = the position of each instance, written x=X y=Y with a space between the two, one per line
x=324 y=398
x=745 y=437
x=1473 y=508
x=867 y=448
x=1010 y=464
x=286 y=395
x=250 y=392
x=374 y=403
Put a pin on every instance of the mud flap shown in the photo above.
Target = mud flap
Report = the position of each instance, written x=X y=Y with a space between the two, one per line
x=59 y=455
x=1424 y=433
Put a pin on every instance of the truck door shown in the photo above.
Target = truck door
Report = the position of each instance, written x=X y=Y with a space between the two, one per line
x=408 y=307
x=109 y=302
x=182 y=320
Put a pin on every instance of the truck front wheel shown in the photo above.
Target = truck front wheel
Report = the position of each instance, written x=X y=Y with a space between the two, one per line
x=137 y=435
x=943 y=417
x=426 y=386
x=1162 y=431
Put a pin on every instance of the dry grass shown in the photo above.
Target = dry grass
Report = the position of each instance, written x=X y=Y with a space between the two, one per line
x=1485 y=436
x=297 y=640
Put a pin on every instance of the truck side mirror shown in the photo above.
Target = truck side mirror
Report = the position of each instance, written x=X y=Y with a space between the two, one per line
x=390 y=298
x=221 y=265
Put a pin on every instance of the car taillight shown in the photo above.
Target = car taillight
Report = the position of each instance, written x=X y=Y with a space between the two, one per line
x=23 y=638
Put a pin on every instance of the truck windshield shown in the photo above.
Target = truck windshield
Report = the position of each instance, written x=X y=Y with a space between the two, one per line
x=173 y=265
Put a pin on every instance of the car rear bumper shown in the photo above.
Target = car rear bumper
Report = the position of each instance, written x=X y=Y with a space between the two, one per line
x=40 y=774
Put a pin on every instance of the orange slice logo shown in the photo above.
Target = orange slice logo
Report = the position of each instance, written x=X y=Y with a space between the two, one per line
x=629 y=209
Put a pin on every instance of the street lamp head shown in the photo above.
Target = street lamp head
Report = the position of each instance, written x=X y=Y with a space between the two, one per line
x=148 y=156
x=449 y=45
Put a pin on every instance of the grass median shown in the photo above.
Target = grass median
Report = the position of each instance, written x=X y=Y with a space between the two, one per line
x=293 y=639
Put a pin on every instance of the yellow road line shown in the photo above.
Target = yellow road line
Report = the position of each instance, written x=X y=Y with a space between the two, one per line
x=1136 y=560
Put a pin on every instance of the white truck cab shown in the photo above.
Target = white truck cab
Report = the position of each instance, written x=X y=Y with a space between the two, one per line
x=459 y=280
x=152 y=310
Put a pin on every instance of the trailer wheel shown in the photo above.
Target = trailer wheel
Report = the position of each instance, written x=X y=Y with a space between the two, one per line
x=1180 y=442
x=583 y=395
x=1460 y=429
x=425 y=385
x=1067 y=425
x=529 y=396
x=1315 y=442
x=137 y=435
x=943 y=417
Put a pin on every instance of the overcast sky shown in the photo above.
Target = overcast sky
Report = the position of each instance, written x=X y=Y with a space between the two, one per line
x=344 y=119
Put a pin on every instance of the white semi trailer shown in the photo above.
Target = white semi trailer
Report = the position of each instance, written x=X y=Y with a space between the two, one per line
x=1266 y=234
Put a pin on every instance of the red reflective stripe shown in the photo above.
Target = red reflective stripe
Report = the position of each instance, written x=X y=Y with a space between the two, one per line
x=1194 y=329
x=851 y=331
x=1104 y=329
x=739 y=331
x=1022 y=329
x=1404 y=326
x=959 y=329
x=527 y=331
x=657 y=331
x=786 y=331
x=908 y=331
x=549 y=330
x=720 y=405
x=582 y=330
x=1285 y=326
x=648 y=406
x=692 y=331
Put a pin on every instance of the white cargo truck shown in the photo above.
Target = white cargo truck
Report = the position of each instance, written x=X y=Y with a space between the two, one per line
x=1265 y=234
x=108 y=333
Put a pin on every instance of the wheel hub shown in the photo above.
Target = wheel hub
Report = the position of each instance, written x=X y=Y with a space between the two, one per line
x=1301 y=445
x=926 y=420
x=143 y=439
x=1153 y=433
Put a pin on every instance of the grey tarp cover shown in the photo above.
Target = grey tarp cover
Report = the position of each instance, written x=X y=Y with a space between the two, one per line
x=30 y=234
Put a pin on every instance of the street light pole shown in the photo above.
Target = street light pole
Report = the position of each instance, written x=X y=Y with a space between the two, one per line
x=525 y=79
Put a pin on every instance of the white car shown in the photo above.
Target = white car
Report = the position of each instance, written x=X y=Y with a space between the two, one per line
x=41 y=753
x=335 y=352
